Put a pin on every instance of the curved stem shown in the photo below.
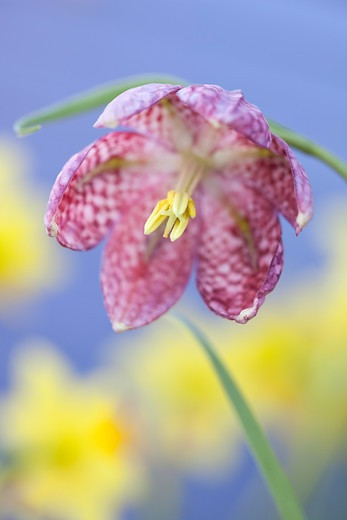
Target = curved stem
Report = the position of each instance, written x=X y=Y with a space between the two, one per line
x=273 y=474
x=309 y=147
x=85 y=101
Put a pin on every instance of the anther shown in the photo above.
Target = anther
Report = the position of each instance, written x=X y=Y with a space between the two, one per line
x=178 y=208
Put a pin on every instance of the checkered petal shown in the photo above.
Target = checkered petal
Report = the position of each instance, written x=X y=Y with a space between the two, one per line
x=143 y=276
x=229 y=108
x=97 y=184
x=131 y=102
x=240 y=252
x=162 y=116
x=278 y=177
x=290 y=191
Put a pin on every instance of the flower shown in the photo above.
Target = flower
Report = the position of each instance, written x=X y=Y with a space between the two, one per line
x=76 y=447
x=27 y=265
x=188 y=151
x=172 y=383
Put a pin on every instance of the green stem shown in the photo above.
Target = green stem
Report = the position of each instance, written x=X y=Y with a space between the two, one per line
x=273 y=474
x=85 y=101
x=309 y=147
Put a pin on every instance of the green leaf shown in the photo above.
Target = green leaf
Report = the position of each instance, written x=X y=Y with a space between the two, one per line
x=276 y=480
x=86 y=101
x=102 y=95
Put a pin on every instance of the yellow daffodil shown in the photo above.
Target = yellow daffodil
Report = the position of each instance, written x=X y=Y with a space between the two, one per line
x=27 y=264
x=75 y=448
x=174 y=383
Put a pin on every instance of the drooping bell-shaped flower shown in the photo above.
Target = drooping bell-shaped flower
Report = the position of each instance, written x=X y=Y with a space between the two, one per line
x=196 y=174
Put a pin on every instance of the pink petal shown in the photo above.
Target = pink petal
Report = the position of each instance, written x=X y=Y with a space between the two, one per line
x=143 y=276
x=280 y=179
x=82 y=207
x=224 y=107
x=302 y=192
x=240 y=254
x=133 y=101
x=172 y=123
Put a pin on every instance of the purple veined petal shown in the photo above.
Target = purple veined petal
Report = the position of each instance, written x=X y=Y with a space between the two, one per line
x=278 y=176
x=302 y=189
x=133 y=101
x=61 y=184
x=96 y=185
x=143 y=276
x=171 y=123
x=240 y=253
x=229 y=108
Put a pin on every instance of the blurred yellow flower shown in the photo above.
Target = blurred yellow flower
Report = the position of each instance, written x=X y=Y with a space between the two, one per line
x=27 y=262
x=174 y=383
x=76 y=446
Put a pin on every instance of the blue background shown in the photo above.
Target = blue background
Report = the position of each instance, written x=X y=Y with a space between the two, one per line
x=289 y=57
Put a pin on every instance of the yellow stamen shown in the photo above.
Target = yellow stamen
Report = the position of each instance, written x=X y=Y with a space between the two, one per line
x=180 y=203
x=191 y=208
x=177 y=208
x=157 y=216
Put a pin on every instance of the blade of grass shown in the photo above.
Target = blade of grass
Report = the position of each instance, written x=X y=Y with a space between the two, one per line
x=275 y=478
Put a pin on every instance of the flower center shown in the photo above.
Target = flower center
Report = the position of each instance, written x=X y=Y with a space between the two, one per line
x=178 y=207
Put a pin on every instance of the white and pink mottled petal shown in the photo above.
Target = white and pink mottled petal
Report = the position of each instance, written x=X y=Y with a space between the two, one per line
x=228 y=108
x=61 y=184
x=279 y=177
x=143 y=276
x=96 y=185
x=133 y=101
x=240 y=252
x=302 y=189
x=171 y=122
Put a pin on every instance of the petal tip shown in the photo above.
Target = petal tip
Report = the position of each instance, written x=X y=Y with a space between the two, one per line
x=119 y=326
x=246 y=314
x=302 y=220
x=101 y=122
x=53 y=229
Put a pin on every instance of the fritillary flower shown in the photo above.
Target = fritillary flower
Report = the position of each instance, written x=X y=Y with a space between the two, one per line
x=193 y=173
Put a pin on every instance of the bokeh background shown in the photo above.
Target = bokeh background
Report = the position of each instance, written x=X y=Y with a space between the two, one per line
x=98 y=426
